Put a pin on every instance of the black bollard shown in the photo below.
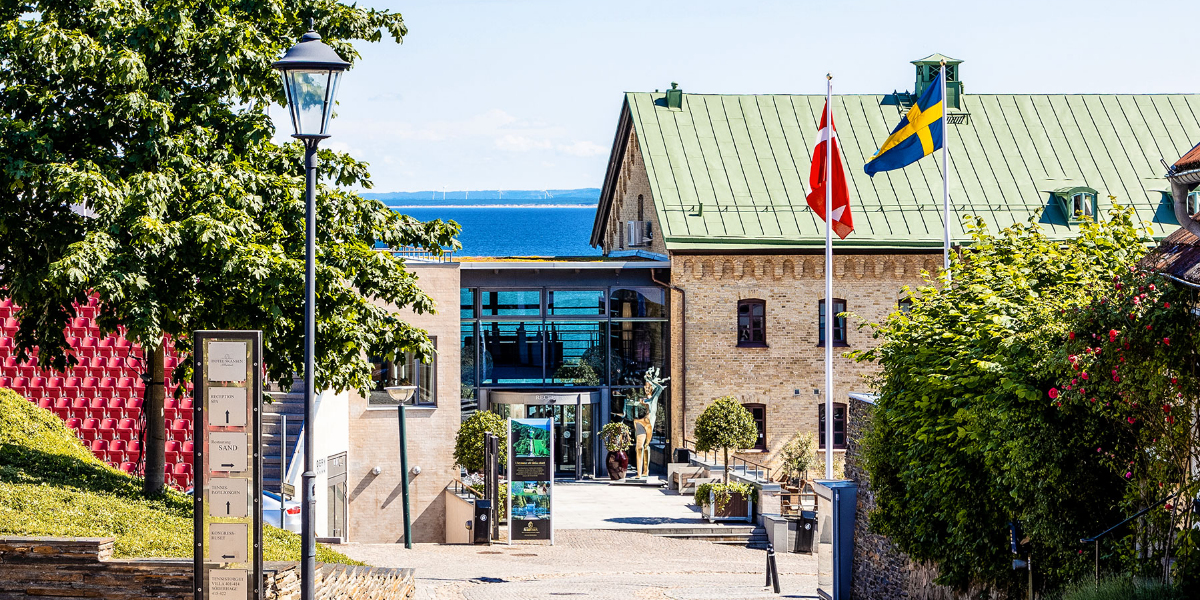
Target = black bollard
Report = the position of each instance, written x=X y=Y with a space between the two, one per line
x=772 y=569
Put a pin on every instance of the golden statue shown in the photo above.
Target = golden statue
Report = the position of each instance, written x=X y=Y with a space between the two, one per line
x=643 y=427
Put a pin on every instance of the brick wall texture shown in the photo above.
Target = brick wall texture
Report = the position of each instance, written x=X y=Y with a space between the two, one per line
x=76 y=568
x=376 y=507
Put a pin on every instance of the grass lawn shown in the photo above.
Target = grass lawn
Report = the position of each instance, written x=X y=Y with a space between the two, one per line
x=51 y=485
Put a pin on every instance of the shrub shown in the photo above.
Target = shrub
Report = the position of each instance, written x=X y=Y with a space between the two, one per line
x=725 y=424
x=722 y=493
x=468 y=443
x=617 y=436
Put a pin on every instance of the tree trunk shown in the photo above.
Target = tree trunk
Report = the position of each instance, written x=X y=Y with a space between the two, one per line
x=726 y=450
x=153 y=399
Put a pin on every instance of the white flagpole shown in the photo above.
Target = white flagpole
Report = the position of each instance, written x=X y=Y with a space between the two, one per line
x=829 y=277
x=945 y=179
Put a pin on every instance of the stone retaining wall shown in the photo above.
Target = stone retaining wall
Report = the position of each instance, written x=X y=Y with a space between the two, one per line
x=881 y=571
x=76 y=568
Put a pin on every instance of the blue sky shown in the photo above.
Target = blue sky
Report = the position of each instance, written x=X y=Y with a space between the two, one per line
x=526 y=94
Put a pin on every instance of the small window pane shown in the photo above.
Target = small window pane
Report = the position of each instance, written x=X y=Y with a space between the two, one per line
x=839 y=426
x=759 y=412
x=751 y=322
x=839 y=323
x=635 y=346
x=571 y=302
x=466 y=302
x=501 y=303
x=405 y=370
x=512 y=352
x=633 y=303
x=575 y=352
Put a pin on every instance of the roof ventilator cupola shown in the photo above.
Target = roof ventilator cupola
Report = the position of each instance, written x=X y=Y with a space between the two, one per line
x=675 y=97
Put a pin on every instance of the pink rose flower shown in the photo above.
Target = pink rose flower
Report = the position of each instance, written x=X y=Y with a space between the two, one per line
x=1053 y=393
x=1112 y=335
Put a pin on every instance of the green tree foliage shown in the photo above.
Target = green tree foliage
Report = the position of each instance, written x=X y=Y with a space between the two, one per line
x=964 y=439
x=468 y=442
x=151 y=120
x=725 y=424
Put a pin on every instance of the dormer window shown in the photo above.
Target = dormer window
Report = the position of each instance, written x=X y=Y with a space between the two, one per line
x=1078 y=203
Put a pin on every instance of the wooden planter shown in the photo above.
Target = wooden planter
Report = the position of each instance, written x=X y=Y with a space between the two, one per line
x=739 y=508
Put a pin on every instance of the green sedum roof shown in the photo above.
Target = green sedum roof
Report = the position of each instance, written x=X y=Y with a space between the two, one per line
x=731 y=171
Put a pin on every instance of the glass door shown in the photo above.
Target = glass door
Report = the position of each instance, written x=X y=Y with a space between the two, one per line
x=572 y=437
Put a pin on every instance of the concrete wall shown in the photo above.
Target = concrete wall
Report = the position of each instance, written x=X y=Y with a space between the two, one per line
x=333 y=437
x=783 y=375
x=376 y=510
x=39 y=567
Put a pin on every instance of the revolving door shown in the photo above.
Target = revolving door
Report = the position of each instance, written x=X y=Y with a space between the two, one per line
x=573 y=415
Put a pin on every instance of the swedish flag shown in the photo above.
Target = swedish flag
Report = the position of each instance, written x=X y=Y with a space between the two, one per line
x=918 y=134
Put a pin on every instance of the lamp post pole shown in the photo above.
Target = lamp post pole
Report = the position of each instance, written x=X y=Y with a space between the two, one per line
x=308 y=503
x=310 y=71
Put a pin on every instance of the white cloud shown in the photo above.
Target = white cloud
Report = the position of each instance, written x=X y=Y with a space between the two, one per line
x=583 y=148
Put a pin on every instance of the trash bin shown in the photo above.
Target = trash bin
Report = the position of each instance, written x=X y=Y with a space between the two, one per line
x=482 y=529
x=806 y=526
x=683 y=455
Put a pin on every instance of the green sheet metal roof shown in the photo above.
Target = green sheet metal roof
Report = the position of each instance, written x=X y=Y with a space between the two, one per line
x=731 y=171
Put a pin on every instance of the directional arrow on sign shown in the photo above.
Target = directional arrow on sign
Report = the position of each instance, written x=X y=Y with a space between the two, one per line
x=226 y=417
x=230 y=465
x=227 y=506
x=226 y=556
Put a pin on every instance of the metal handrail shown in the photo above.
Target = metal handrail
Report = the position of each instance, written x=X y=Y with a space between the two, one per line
x=421 y=254
x=459 y=488
x=758 y=468
x=1096 y=538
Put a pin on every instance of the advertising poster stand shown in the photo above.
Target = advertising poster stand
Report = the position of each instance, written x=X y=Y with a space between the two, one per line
x=227 y=465
x=530 y=479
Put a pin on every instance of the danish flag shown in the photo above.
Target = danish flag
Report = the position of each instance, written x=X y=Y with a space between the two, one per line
x=842 y=223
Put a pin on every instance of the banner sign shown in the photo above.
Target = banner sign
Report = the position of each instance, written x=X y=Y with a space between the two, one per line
x=530 y=479
x=226 y=421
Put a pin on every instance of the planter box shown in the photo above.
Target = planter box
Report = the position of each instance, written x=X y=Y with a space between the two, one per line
x=739 y=508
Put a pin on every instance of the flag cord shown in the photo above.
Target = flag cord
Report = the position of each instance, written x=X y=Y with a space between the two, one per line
x=829 y=306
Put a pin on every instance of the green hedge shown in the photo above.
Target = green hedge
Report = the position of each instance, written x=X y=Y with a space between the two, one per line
x=52 y=485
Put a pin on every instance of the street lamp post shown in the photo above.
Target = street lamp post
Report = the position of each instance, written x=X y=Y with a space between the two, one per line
x=401 y=394
x=311 y=71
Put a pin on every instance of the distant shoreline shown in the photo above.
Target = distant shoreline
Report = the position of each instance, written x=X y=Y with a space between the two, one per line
x=456 y=206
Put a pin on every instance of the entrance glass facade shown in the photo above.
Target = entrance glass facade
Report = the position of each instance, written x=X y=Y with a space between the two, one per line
x=565 y=339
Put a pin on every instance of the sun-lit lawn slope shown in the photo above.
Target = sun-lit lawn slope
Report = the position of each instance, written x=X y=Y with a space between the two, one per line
x=51 y=485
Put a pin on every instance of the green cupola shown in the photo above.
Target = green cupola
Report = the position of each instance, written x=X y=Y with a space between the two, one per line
x=927 y=71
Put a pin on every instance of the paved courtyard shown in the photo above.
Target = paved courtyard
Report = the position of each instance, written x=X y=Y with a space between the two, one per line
x=599 y=564
x=591 y=559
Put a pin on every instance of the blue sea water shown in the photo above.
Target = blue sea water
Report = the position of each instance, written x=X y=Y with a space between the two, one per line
x=518 y=230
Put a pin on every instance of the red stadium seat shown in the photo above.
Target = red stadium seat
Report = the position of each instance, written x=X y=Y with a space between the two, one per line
x=126 y=429
x=133 y=406
x=116 y=408
x=189 y=449
x=70 y=386
x=128 y=467
x=98 y=408
x=90 y=428
x=99 y=446
x=74 y=423
x=108 y=428
x=181 y=425
x=62 y=408
x=19 y=384
x=5 y=381
x=172 y=451
x=36 y=387
x=183 y=469
x=54 y=386
x=133 y=447
x=87 y=385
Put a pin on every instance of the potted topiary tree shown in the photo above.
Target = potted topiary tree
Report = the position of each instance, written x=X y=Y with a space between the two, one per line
x=617 y=438
x=723 y=425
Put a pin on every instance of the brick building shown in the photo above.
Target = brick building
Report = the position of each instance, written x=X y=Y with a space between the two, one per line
x=716 y=185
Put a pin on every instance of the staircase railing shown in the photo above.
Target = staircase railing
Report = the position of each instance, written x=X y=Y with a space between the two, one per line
x=761 y=471
x=1096 y=538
